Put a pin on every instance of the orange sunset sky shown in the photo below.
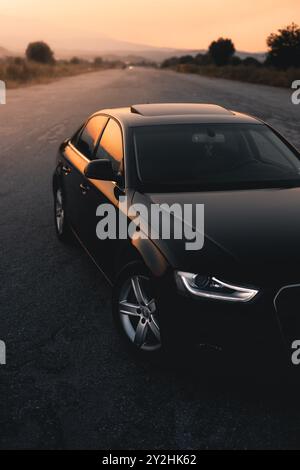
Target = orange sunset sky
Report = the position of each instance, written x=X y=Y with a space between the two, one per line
x=172 y=23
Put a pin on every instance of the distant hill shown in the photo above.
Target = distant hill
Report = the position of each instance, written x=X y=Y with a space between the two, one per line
x=5 y=53
x=260 y=56
x=155 y=54
x=90 y=47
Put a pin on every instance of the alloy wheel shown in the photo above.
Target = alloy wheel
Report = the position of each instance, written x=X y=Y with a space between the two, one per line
x=59 y=211
x=138 y=313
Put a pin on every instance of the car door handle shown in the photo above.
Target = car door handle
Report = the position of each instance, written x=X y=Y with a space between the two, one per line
x=66 y=170
x=84 y=188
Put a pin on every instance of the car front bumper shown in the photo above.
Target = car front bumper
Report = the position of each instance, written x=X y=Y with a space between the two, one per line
x=259 y=332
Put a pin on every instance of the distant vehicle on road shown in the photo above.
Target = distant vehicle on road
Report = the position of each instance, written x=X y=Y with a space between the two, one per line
x=241 y=290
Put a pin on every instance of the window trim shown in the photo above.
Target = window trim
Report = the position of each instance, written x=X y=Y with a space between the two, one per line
x=123 y=172
x=100 y=136
x=122 y=186
x=81 y=130
x=77 y=134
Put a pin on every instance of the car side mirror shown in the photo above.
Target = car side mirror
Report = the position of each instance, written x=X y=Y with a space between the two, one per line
x=100 y=170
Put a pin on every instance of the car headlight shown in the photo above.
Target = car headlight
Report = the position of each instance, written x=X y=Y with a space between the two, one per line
x=212 y=288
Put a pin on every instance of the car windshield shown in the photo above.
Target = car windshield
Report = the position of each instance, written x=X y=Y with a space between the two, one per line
x=210 y=155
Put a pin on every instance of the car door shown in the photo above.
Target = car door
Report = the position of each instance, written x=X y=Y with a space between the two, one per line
x=77 y=155
x=109 y=147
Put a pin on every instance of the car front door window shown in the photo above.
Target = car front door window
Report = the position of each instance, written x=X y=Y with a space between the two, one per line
x=111 y=145
x=89 y=137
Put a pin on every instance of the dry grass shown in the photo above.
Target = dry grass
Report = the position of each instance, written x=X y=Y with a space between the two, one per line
x=251 y=74
x=21 y=72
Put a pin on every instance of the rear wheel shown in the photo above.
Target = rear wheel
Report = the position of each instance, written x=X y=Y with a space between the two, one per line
x=135 y=311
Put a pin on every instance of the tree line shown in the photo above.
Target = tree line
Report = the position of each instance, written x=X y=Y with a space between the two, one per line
x=283 y=52
x=40 y=52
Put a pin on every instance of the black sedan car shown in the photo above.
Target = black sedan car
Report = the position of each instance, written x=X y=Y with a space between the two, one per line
x=239 y=288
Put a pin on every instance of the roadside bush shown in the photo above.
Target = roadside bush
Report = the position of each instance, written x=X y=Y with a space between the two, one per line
x=172 y=62
x=186 y=59
x=98 y=61
x=188 y=68
x=284 y=47
x=16 y=71
x=19 y=72
x=245 y=73
x=75 y=61
x=40 y=52
x=235 y=60
x=18 y=60
x=202 y=59
x=221 y=51
x=251 y=61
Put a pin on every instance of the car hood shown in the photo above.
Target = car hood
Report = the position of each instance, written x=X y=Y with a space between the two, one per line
x=249 y=234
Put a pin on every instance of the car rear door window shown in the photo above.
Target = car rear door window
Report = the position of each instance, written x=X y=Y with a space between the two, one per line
x=88 y=139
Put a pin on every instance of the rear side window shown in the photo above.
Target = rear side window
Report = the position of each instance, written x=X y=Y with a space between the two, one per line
x=88 y=139
x=111 y=145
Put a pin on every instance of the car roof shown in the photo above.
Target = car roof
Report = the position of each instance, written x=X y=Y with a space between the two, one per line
x=176 y=113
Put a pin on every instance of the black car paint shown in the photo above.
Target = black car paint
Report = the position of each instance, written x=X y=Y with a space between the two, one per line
x=251 y=236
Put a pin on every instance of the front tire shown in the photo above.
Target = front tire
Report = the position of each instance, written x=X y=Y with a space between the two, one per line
x=135 y=311
x=62 y=228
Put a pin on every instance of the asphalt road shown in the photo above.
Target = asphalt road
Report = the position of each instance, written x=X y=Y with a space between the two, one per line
x=68 y=382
